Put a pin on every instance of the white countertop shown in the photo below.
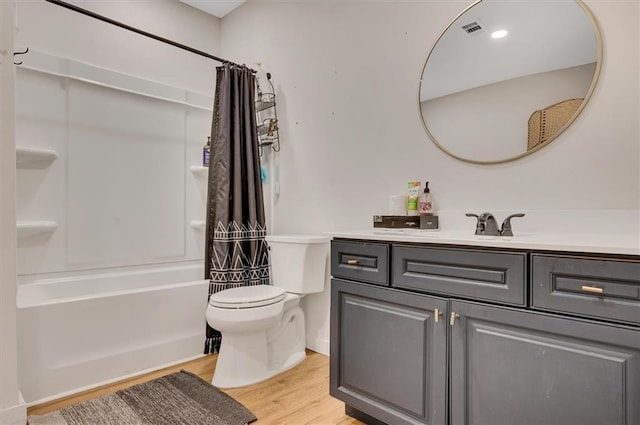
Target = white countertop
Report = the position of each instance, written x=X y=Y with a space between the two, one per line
x=619 y=243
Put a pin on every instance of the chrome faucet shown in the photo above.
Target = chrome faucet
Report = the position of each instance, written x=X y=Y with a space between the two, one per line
x=488 y=226
x=505 y=230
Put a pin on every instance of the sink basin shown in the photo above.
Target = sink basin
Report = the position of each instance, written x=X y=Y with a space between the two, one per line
x=515 y=237
x=407 y=232
x=450 y=235
x=489 y=238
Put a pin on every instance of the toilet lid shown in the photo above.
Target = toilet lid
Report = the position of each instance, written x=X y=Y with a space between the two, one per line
x=247 y=296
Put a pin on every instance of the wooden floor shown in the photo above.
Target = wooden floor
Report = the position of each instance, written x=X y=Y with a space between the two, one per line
x=297 y=397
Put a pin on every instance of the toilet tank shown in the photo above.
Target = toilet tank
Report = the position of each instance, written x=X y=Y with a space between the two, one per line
x=298 y=262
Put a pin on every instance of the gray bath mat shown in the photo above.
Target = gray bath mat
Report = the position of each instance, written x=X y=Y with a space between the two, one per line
x=181 y=398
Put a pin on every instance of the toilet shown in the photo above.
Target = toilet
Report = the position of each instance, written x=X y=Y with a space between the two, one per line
x=263 y=330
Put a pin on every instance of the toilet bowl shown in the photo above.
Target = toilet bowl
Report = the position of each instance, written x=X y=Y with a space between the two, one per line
x=263 y=326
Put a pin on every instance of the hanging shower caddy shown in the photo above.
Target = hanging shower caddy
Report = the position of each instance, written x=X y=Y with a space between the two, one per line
x=267 y=118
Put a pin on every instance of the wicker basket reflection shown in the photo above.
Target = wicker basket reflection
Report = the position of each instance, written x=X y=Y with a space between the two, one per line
x=545 y=123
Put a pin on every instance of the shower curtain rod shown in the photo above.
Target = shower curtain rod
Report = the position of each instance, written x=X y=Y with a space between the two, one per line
x=139 y=31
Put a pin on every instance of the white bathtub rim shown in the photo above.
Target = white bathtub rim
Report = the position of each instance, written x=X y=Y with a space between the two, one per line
x=35 y=290
x=22 y=304
x=80 y=390
x=97 y=274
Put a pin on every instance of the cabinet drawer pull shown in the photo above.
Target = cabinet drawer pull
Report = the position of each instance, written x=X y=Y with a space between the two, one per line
x=592 y=289
x=436 y=315
x=454 y=316
x=352 y=262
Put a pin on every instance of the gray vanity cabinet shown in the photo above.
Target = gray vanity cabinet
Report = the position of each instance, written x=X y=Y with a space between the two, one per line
x=388 y=353
x=516 y=367
x=471 y=336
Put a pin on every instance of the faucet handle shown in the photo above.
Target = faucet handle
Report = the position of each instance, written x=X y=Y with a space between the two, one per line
x=479 y=223
x=506 y=225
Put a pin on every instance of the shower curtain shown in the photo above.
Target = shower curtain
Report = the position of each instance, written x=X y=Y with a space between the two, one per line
x=236 y=253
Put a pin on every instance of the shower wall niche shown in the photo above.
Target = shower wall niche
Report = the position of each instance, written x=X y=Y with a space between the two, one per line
x=113 y=185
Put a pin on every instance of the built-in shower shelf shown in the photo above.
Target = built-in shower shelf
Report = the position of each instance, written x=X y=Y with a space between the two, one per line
x=25 y=155
x=199 y=170
x=197 y=224
x=28 y=228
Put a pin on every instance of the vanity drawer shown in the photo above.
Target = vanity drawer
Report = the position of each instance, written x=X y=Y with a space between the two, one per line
x=484 y=275
x=608 y=289
x=362 y=261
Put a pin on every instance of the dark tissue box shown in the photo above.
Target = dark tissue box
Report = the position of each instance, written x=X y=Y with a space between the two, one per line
x=405 y=221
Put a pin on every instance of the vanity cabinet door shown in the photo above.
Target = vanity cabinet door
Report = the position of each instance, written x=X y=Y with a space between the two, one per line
x=388 y=353
x=515 y=367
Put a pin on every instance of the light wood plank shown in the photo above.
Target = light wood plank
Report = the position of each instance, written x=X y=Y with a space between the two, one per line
x=298 y=396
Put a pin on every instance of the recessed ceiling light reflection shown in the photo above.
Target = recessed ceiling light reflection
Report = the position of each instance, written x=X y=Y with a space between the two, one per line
x=499 y=34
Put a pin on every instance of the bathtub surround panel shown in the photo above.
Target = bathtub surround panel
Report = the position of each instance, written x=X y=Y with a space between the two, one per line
x=136 y=214
x=41 y=192
x=112 y=56
x=198 y=122
x=98 y=120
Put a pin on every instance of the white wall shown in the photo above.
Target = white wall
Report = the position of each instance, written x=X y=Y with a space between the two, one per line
x=12 y=408
x=347 y=74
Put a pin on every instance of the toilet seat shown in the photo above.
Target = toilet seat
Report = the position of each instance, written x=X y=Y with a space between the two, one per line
x=247 y=297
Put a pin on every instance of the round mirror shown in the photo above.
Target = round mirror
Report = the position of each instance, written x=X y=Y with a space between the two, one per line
x=506 y=78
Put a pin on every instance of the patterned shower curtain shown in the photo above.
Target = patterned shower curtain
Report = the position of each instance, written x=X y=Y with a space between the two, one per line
x=236 y=253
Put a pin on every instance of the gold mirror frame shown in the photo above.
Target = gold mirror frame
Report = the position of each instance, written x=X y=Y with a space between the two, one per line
x=587 y=97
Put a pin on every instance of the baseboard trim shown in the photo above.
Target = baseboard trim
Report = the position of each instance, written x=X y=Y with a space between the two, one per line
x=14 y=415
x=319 y=346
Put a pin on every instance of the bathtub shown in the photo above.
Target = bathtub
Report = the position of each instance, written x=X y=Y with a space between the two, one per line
x=85 y=330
